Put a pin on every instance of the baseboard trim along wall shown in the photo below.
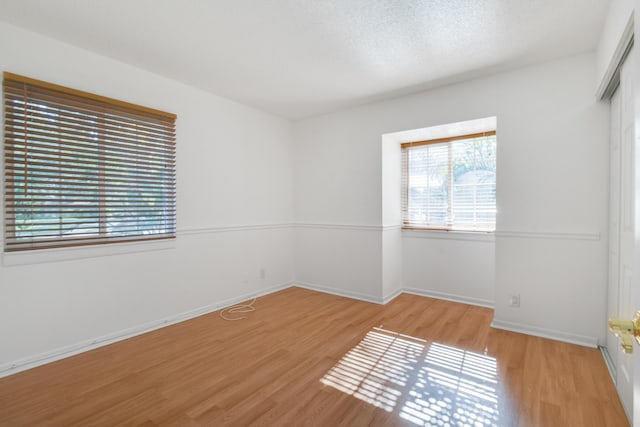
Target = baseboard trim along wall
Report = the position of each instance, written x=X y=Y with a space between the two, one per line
x=546 y=333
x=609 y=362
x=90 y=344
x=73 y=349
x=339 y=292
x=387 y=299
x=449 y=297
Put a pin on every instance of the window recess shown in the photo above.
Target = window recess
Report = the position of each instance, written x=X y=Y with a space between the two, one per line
x=450 y=183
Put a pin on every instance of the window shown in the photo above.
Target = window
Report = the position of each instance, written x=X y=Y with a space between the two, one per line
x=450 y=183
x=83 y=169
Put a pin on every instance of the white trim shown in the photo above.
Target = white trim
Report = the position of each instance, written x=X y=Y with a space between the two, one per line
x=365 y=227
x=449 y=297
x=548 y=235
x=186 y=231
x=338 y=292
x=90 y=344
x=356 y=227
x=41 y=256
x=611 y=76
x=609 y=362
x=466 y=236
x=386 y=300
x=455 y=235
x=546 y=333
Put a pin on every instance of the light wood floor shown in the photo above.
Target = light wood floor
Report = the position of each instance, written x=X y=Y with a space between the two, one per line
x=306 y=358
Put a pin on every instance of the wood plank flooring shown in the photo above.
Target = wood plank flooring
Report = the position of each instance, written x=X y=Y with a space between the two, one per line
x=305 y=358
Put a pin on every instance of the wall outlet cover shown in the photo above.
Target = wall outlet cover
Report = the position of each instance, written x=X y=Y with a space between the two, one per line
x=514 y=300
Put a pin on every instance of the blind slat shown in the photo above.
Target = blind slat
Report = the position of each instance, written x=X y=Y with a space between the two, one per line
x=52 y=225
x=49 y=145
x=16 y=134
x=86 y=241
x=23 y=152
x=58 y=122
x=68 y=160
x=55 y=171
x=128 y=230
x=45 y=105
x=36 y=113
x=90 y=180
x=116 y=189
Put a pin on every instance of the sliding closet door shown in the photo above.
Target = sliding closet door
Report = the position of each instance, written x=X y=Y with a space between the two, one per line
x=624 y=168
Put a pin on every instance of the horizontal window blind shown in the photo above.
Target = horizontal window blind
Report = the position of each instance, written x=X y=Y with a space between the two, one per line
x=450 y=183
x=84 y=169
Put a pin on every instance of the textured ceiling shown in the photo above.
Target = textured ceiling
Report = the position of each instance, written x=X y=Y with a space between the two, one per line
x=298 y=58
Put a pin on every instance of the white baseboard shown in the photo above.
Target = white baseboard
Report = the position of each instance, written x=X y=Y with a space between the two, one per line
x=449 y=297
x=388 y=298
x=546 y=333
x=609 y=362
x=20 y=365
x=392 y=296
x=339 y=292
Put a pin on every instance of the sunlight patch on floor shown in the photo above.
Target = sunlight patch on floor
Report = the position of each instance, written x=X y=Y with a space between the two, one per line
x=428 y=385
x=453 y=388
x=377 y=368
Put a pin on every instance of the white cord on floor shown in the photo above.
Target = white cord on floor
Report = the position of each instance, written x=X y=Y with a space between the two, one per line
x=238 y=308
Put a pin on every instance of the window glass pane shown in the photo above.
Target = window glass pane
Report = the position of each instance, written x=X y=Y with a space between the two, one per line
x=428 y=184
x=474 y=183
x=47 y=208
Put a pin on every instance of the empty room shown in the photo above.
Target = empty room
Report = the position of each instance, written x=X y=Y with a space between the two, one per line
x=320 y=213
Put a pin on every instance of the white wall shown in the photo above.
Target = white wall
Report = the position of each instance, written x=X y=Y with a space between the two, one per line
x=392 y=271
x=458 y=267
x=391 y=163
x=235 y=209
x=552 y=201
x=341 y=259
x=552 y=196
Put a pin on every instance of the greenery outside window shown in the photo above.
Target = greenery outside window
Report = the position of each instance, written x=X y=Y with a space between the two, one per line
x=83 y=169
x=450 y=183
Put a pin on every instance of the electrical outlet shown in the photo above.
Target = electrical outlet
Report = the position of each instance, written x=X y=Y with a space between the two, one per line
x=514 y=300
x=263 y=273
